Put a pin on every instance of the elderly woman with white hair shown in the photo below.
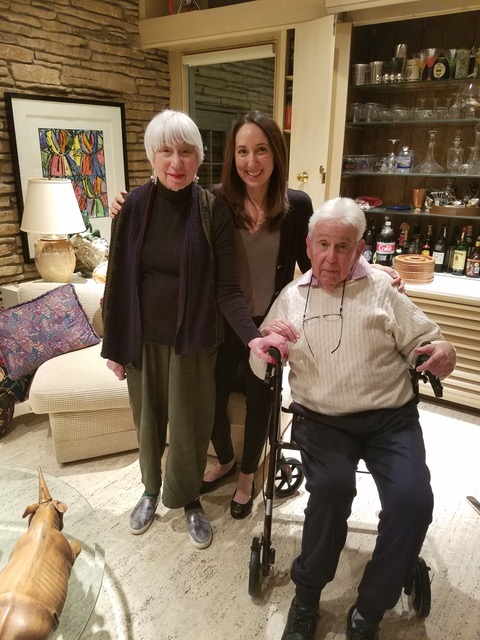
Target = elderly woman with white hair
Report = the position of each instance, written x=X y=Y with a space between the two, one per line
x=170 y=279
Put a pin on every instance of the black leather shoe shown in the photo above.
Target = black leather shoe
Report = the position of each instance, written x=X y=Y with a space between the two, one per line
x=240 y=511
x=301 y=623
x=363 y=630
x=206 y=486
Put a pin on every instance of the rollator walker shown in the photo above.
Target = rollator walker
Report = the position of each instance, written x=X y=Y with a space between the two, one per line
x=285 y=475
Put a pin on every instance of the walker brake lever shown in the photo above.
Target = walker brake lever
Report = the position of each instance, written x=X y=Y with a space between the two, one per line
x=426 y=376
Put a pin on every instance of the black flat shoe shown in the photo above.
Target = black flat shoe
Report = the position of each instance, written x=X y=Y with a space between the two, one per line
x=206 y=486
x=239 y=511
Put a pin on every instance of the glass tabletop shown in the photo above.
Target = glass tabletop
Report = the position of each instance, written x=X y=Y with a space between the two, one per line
x=18 y=489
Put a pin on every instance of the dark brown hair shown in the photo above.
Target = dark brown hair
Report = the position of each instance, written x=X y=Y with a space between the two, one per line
x=234 y=189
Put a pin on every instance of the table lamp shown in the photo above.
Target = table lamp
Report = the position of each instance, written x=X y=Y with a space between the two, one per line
x=51 y=210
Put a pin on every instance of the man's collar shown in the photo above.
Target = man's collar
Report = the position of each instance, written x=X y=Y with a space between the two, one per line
x=360 y=269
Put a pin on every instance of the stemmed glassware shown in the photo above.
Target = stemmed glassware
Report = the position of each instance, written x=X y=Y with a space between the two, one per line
x=390 y=162
x=421 y=60
x=429 y=165
x=452 y=57
x=432 y=56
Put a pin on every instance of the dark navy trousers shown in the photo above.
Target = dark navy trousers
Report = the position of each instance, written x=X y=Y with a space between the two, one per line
x=390 y=441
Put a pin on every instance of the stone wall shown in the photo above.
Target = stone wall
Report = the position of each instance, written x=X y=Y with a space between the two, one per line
x=88 y=50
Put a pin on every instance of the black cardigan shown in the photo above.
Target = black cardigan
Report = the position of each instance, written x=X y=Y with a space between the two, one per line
x=204 y=291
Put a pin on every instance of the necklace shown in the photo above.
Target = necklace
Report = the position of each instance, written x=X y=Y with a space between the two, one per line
x=255 y=213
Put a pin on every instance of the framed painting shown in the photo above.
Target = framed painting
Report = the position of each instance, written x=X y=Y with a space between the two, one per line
x=69 y=138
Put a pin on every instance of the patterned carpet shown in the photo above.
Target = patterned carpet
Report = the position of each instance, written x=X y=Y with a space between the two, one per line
x=158 y=587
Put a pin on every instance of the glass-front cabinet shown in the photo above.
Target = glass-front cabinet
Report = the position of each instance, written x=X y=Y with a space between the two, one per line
x=412 y=135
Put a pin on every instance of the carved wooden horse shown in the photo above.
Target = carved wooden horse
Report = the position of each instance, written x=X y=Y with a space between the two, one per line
x=34 y=583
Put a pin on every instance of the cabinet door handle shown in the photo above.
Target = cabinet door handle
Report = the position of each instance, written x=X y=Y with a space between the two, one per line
x=302 y=177
x=323 y=173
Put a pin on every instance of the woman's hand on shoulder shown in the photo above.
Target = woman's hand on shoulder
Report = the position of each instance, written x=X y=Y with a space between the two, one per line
x=117 y=203
x=396 y=278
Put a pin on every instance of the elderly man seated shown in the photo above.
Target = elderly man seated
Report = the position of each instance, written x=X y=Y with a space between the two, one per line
x=353 y=337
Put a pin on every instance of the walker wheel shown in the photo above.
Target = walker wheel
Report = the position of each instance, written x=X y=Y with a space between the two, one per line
x=288 y=477
x=254 y=568
x=421 y=592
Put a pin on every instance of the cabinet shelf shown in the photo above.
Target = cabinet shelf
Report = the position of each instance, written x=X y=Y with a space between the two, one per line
x=378 y=174
x=422 y=215
x=410 y=123
x=416 y=85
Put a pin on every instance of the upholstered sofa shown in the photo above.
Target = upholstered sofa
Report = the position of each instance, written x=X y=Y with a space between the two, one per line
x=87 y=405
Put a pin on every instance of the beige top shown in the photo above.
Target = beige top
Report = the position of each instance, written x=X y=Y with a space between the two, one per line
x=256 y=263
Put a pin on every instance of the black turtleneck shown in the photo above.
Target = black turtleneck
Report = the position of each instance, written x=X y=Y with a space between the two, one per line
x=160 y=264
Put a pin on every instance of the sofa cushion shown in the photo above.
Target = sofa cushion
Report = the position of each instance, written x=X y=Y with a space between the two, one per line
x=52 y=324
x=77 y=381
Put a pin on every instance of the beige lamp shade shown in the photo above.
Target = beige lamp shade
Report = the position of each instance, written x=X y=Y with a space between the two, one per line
x=51 y=210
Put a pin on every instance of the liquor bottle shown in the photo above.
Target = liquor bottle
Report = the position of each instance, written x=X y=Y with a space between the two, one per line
x=369 y=243
x=451 y=249
x=427 y=245
x=472 y=270
x=469 y=239
x=405 y=160
x=386 y=245
x=440 y=68
x=460 y=255
x=440 y=249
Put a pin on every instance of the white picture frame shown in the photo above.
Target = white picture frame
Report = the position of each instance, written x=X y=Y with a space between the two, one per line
x=29 y=116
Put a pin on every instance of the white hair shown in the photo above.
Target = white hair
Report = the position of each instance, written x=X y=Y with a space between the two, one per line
x=172 y=127
x=344 y=210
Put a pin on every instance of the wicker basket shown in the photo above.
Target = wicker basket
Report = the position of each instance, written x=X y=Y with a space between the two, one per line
x=414 y=268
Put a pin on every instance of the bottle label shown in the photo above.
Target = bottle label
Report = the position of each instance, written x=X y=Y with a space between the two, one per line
x=458 y=262
x=368 y=254
x=385 y=247
x=472 y=269
x=438 y=256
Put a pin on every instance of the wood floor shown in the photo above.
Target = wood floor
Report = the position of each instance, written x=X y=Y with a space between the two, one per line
x=159 y=587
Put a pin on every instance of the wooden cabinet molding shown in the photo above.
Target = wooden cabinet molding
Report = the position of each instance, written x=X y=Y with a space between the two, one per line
x=187 y=30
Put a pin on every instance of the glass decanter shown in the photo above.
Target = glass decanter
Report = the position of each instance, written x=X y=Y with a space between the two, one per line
x=455 y=154
x=472 y=166
x=429 y=165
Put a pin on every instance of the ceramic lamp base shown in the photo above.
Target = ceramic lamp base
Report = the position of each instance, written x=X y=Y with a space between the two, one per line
x=55 y=259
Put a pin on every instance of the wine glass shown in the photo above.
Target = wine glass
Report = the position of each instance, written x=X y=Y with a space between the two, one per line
x=432 y=56
x=391 y=159
x=452 y=57
x=421 y=60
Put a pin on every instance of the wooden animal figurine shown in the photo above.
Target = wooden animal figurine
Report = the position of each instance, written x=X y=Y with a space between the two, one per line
x=34 y=583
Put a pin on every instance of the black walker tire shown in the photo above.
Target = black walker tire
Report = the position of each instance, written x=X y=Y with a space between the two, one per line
x=422 y=591
x=254 y=568
x=287 y=482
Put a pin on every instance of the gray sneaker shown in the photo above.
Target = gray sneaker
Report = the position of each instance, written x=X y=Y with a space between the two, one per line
x=143 y=514
x=199 y=528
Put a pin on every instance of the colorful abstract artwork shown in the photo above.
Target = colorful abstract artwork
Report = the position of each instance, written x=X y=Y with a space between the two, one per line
x=56 y=137
x=78 y=155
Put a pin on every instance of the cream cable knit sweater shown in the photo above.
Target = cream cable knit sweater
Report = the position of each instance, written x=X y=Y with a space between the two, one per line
x=370 y=368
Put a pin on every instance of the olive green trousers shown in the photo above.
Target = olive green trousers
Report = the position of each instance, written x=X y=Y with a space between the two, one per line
x=178 y=391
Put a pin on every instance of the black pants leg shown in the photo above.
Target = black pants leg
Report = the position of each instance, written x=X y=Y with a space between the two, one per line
x=391 y=443
x=230 y=354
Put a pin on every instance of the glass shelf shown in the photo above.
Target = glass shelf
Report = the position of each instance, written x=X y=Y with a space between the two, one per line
x=415 y=85
x=408 y=123
x=378 y=174
x=411 y=212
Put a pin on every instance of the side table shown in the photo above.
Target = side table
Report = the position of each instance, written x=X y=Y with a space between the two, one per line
x=18 y=489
